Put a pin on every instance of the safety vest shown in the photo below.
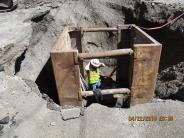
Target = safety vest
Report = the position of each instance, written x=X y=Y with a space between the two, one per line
x=94 y=76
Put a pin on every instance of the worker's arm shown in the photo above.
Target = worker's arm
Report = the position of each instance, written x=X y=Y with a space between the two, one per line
x=87 y=74
x=102 y=65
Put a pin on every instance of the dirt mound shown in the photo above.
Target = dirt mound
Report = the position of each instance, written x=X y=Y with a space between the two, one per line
x=170 y=83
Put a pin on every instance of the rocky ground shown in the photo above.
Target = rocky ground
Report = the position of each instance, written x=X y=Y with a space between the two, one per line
x=28 y=32
x=170 y=82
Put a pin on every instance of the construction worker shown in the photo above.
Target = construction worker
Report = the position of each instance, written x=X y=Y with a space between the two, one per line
x=93 y=73
x=94 y=81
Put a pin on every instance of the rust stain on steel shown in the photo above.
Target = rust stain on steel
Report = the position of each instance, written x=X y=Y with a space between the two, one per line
x=66 y=71
x=146 y=63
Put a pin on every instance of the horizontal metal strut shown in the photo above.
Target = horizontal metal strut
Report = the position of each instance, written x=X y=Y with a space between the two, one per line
x=112 y=53
x=107 y=91
x=100 y=29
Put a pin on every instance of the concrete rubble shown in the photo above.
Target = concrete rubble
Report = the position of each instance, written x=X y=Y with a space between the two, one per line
x=71 y=113
x=26 y=36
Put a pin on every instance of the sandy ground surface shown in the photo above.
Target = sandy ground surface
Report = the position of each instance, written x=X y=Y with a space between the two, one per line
x=30 y=117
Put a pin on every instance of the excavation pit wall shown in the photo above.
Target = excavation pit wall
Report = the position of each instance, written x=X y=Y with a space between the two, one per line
x=141 y=68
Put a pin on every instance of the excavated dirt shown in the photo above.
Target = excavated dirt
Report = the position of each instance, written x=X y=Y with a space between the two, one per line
x=27 y=34
x=170 y=83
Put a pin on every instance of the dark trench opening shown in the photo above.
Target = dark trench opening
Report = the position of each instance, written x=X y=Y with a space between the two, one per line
x=46 y=82
x=122 y=69
x=19 y=60
x=39 y=17
x=122 y=64
x=46 y=85
x=110 y=100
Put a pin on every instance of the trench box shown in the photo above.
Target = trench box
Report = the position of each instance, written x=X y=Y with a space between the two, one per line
x=138 y=69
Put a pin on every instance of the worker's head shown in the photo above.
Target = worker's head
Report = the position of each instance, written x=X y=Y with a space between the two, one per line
x=95 y=63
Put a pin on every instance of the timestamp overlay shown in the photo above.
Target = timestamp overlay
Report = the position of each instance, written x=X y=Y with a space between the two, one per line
x=151 y=118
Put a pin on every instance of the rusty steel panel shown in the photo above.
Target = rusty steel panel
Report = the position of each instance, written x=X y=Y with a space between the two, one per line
x=67 y=78
x=63 y=43
x=146 y=64
x=141 y=37
x=66 y=70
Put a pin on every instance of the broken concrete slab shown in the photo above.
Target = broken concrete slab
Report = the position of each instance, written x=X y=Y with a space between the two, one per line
x=71 y=113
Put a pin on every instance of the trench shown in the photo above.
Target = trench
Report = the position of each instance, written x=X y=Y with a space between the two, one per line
x=172 y=54
x=46 y=85
x=19 y=60
x=46 y=82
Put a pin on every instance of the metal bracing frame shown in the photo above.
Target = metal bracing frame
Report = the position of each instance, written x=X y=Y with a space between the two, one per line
x=141 y=51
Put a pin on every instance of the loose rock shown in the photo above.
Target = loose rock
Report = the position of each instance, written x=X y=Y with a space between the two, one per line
x=70 y=113
x=1 y=127
x=5 y=120
x=53 y=123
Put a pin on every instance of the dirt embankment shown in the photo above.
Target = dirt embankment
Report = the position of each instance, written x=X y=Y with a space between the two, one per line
x=170 y=84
